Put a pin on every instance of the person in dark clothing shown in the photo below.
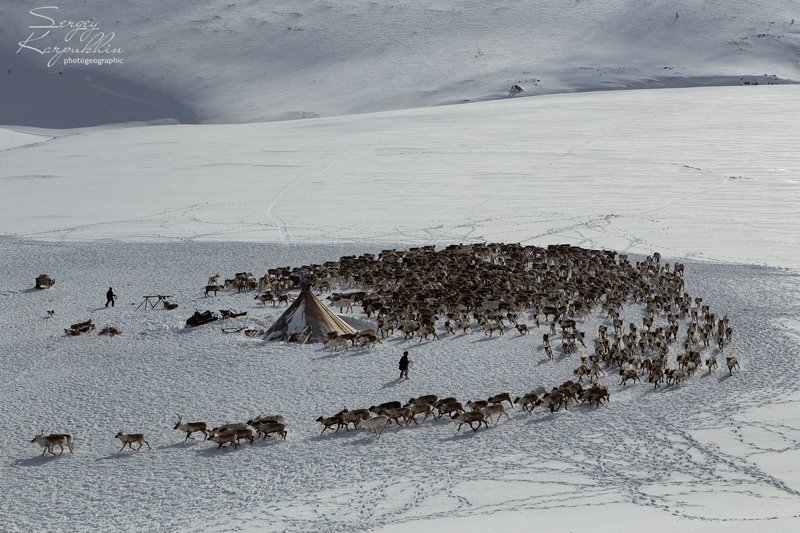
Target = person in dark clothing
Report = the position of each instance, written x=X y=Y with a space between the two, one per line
x=404 y=364
x=110 y=297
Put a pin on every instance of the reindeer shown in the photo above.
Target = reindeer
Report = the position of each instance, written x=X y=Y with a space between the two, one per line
x=55 y=439
x=471 y=418
x=191 y=427
x=212 y=288
x=128 y=438
x=374 y=425
x=500 y=398
x=528 y=401
x=449 y=408
x=595 y=372
x=549 y=351
x=344 y=305
x=421 y=400
x=328 y=423
x=512 y=318
x=629 y=374
x=427 y=331
x=494 y=409
x=226 y=437
x=336 y=343
x=732 y=363
x=265 y=428
x=266 y=297
x=490 y=327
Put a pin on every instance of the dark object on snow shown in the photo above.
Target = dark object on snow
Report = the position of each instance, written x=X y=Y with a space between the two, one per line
x=232 y=330
x=44 y=282
x=198 y=318
x=253 y=333
x=80 y=327
x=300 y=337
x=152 y=300
x=169 y=306
x=516 y=88
x=213 y=288
x=110 y=297
x=111 y=331
x=404 y=364
x=228 y=313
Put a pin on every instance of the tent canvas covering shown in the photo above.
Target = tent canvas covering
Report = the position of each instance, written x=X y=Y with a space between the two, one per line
x=308 y=311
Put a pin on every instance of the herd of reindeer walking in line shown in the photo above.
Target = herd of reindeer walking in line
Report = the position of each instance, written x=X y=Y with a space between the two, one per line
x=477 y=286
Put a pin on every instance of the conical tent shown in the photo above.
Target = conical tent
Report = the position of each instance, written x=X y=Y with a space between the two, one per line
x=308 y=312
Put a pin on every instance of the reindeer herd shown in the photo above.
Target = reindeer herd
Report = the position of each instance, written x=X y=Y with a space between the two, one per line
x=491 y=288
x=478 y=413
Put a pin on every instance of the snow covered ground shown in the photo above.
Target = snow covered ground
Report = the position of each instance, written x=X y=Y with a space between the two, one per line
x=718 y=453
x=251 y=60
x=704 y=175
x=14 y=139
x=707 y=173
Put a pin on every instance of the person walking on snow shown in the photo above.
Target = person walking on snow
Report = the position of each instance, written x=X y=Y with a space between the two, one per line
x=404 y=365
x=110 y=297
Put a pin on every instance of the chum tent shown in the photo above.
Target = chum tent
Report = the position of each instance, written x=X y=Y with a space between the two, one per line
x=307 y=314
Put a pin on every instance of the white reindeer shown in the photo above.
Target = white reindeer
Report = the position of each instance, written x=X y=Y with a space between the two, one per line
x=374 y=425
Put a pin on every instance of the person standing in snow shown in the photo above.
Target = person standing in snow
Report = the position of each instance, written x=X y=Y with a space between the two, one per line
x=110 y=297
x=404 y=364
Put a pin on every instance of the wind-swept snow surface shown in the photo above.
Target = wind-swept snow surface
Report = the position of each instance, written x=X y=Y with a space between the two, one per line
x=717 y=453
x=14 y=139
x=706 y=173
x=252 y=60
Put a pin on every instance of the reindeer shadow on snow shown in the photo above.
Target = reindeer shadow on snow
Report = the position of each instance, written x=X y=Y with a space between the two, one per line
x=335 y=435
x=214 y=451
x=326 y=354
x=461 y=435
x=544 y=419
x=485 y=338
x=118 y=455
x=364 y=441
x=26 y=291
x=180 y=445
x=358 y=351
x=38 y=460
x=724 y=378
x=269 y=442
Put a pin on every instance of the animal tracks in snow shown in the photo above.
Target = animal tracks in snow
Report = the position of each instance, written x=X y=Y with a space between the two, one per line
x=714 y=450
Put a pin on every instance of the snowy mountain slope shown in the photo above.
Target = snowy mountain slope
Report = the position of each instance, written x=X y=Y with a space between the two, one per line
x=247 y=61
x=699 y=173
x=717 y=453
x=13 y=139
